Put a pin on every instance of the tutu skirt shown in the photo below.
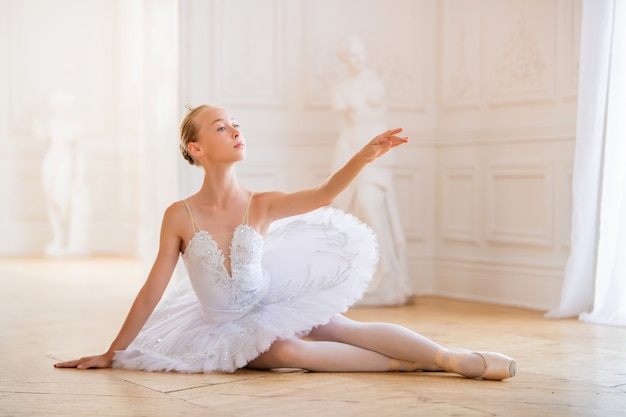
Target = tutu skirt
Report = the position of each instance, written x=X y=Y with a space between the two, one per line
x=317 y=265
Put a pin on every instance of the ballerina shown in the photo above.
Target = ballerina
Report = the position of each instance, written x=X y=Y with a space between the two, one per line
x=269 y=276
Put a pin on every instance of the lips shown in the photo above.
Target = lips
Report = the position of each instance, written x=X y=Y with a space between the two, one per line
x=240 y=145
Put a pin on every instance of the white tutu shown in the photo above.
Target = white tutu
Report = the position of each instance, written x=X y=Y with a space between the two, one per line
x=306 y=270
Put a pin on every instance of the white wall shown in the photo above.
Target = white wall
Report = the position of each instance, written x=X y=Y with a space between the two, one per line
x=90 y=49
x=272 y=63
x=119 y=58
x=508 y=85
x=485 y=88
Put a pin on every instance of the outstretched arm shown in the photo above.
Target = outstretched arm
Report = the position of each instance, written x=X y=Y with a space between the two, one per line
x=145 y=301
x=289 y=204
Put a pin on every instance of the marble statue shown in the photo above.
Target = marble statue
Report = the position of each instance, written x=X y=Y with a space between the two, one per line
x=63 y=178
x=360 y=100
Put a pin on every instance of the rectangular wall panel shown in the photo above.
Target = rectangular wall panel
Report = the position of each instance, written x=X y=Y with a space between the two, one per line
x=459 y=204
x=249 y=43
x=519 y=204
x=519 y=46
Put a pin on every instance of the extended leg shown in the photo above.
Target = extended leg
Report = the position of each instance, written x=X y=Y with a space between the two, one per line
x=388 y=339
x=412 y=349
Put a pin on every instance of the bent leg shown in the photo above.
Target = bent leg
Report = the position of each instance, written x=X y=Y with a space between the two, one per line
x=320 y=356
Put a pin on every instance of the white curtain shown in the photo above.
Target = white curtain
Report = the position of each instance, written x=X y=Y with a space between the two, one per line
x=594 y=288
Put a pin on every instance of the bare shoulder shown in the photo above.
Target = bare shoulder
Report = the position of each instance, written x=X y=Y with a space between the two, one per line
x=175 y=211
x=176 y=217
x=261 y=197
x=262 y=200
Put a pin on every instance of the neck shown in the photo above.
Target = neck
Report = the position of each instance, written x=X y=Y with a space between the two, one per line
x=220 y=186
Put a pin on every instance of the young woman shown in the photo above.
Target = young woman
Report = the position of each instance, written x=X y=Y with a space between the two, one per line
x=267 y=289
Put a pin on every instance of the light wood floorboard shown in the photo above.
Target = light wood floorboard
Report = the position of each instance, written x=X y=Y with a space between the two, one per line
x=59 y=309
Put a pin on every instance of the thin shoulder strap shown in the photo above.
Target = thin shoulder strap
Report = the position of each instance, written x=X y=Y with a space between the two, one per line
x=194 y=224
x=246 y=215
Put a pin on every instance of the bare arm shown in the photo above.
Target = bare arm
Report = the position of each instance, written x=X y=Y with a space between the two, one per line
x=281 y=205
x=145 y=301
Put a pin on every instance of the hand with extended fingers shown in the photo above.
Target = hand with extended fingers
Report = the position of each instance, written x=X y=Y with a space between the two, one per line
x=382 y=143
x=87 y=362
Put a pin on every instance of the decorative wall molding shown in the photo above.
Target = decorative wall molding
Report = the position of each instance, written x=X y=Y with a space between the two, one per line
x=486 y=136
x=321 y=66
x=519 y=204
x=521 y=64
x=459 y=204
x=519 y=52
x=402 y=68
x=327 y=138
x=296 y=138
x=520 y=49
x=249 y=65
x=275 y=60
x=460 y=33
x=570 y=41
x=412 y=195
x=536 y=287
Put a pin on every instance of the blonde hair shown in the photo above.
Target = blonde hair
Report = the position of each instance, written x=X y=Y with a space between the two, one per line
x=189 y=131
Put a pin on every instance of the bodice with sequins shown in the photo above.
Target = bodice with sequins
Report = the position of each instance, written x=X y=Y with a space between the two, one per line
x=225 y=297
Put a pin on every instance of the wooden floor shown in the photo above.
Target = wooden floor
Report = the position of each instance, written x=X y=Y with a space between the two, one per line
x=58 y=310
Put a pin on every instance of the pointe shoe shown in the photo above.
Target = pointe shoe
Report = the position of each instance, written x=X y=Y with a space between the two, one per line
x=497 y=366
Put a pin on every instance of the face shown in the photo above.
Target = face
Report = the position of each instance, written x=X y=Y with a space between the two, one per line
x=354 y=55
x=219 y=137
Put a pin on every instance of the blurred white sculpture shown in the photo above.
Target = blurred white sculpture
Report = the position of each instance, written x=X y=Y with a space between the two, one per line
x=360 y=99
x=63 y=178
